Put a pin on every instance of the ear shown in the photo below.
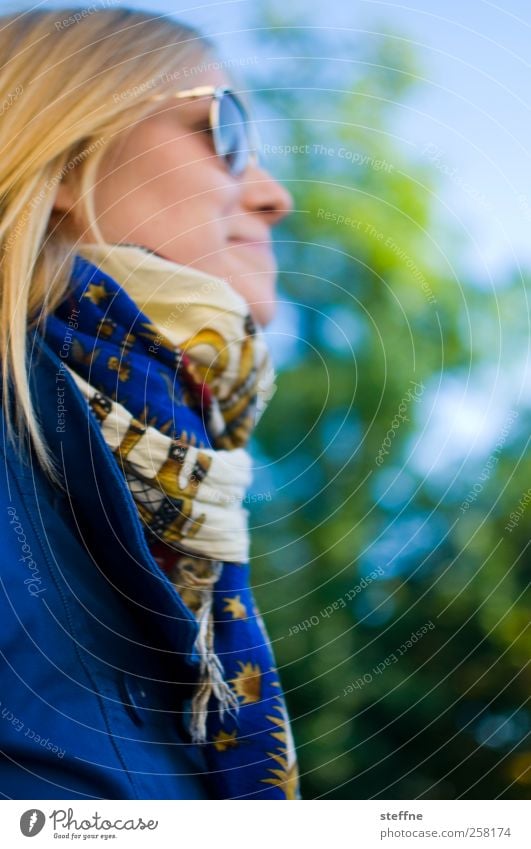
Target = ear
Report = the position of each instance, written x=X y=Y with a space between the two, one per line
x=63 y=199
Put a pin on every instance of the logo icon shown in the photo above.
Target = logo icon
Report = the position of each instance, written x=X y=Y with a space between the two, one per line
x=32 y=822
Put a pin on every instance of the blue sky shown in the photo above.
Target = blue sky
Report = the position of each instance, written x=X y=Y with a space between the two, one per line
x=472 y=109
x=472 y=115
x=474 y=104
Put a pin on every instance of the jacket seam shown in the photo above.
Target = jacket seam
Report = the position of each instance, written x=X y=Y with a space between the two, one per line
x=51 y=570
x=130 y=508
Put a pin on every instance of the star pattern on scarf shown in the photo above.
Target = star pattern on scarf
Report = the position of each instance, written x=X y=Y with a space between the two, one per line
x=175 y=394
x=235 y=607
x=248 y=682
x=96 y=293
x=225 y=740
x=286 y=774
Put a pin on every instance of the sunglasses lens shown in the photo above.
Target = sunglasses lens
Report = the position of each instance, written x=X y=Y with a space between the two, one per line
x=233 y=133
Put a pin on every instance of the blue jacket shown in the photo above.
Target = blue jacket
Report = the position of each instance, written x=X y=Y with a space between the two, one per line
x=96 y=647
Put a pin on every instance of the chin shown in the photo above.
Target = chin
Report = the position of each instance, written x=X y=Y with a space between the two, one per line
x=263 y=314
x=262 y=303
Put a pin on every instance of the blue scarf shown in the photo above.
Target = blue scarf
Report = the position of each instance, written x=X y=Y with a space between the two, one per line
x=126 y=367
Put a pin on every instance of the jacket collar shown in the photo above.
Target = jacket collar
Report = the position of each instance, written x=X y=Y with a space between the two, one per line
x=101 y=503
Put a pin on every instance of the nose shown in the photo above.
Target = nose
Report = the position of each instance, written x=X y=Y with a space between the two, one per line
x=264 y=195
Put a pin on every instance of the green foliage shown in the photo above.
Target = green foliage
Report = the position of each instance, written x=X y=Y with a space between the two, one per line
x=380 y=309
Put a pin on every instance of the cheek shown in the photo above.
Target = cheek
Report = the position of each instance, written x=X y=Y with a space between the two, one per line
x=198 y=214
x=157 y=194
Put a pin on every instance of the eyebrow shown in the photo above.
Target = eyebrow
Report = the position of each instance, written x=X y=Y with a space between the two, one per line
x=195 y=121
x=200 y=123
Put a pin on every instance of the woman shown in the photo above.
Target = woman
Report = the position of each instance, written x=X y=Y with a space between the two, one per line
x=136 y=273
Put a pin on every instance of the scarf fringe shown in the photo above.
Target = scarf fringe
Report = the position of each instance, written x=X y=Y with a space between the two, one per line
x=188 y=495
x=211 y=673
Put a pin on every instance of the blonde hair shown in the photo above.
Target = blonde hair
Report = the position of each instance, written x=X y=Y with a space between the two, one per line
x=70 y=80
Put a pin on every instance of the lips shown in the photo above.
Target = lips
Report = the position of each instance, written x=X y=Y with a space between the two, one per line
x=262 y=243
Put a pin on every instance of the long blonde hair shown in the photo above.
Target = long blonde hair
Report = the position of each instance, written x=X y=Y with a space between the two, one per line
x=70 y=80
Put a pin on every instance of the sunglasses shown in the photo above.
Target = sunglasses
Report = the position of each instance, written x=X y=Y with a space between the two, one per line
x=234 y=135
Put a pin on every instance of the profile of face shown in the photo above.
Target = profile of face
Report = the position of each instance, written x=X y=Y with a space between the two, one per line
x=163 y=187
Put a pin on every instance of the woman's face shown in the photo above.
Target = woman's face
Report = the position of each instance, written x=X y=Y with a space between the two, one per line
x=165 y=188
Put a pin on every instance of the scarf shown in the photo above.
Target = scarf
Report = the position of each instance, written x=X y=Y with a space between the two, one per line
x=176 y=373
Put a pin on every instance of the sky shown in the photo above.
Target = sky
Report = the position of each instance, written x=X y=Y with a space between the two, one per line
x=471 y=115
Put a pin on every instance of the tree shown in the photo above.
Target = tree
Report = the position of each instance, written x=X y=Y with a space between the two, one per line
x=400 y=616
